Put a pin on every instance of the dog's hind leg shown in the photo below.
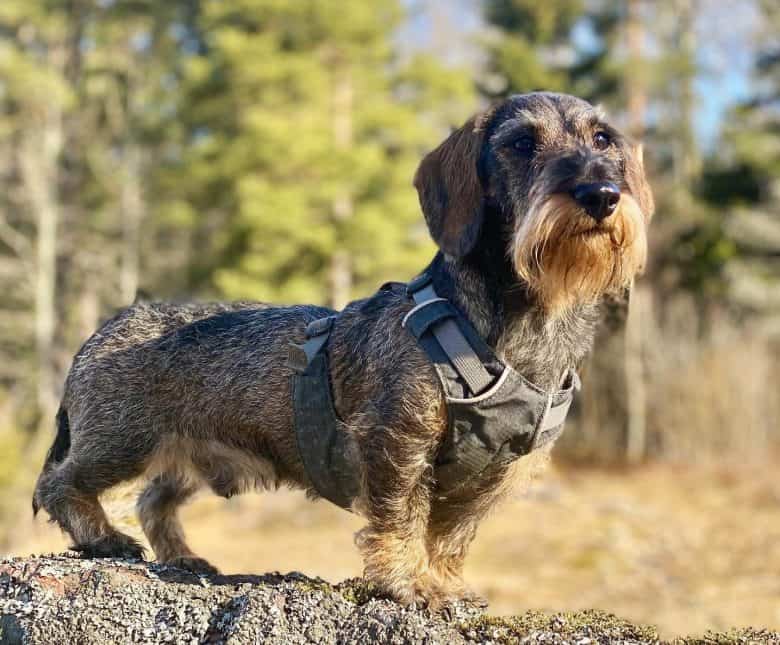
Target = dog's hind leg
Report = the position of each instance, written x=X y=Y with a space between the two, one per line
x=69 y=493
x=157 y=511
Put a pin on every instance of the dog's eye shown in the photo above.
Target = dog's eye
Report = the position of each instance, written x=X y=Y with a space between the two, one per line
x=525 y=144
x=602 y=141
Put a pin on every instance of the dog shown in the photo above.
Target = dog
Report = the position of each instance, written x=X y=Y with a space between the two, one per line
x=539 y=208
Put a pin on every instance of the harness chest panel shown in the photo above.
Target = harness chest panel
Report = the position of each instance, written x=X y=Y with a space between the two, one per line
x=494 y=414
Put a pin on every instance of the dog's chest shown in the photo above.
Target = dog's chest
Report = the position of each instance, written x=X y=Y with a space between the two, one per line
x=544 y=350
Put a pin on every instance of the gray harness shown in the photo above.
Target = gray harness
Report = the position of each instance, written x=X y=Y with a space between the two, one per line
x=494 y=414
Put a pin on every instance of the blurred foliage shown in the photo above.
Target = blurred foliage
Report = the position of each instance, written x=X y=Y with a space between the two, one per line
x=306 y=130
x=533 y=36
x=740 y=184
x=536 y=48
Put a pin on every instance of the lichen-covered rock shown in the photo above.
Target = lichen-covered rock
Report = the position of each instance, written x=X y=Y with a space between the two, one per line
x=63 y=599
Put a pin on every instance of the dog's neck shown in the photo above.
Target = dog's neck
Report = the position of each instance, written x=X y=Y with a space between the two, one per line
x=484 y=287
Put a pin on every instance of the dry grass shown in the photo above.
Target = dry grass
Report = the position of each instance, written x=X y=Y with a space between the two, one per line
x=685 y=548
x=697 y=388
x=712 y=392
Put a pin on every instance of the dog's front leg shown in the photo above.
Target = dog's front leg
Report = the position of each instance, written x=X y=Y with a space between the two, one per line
x=397 y=506
x=452 y=527
x=454 y=519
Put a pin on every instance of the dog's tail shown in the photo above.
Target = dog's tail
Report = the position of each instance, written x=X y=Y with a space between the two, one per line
x=57 y=453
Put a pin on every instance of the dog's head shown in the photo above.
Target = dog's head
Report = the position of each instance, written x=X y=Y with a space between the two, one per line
x=568 y=188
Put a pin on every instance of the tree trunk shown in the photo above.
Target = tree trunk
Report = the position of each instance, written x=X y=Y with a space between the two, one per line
x=343 y=207
x=132 y=212
x=635 y=78
x=613 y=409
x=687 y=161
x=633 y=366
x=89 y=312
x=39 y=155
x=639 y=309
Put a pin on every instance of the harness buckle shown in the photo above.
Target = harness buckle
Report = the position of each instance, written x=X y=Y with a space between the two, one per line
x=319 y=326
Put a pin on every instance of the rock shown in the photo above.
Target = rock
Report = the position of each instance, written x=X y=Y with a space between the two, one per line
x=63 y=599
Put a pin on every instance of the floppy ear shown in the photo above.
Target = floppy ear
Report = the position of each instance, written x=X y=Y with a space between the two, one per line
x=450 y=190
x=636 y=180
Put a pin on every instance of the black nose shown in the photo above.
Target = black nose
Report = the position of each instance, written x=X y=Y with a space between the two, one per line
x=599 y=199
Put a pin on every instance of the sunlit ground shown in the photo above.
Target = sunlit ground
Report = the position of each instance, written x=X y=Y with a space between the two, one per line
x=685 y=548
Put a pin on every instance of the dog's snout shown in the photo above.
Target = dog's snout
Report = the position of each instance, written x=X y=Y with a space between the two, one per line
x=599 y=199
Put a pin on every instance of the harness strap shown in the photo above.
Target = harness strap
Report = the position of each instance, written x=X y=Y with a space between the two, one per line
x=551 y=424
x=446 y=331
x=328 y=453
x=556 y=414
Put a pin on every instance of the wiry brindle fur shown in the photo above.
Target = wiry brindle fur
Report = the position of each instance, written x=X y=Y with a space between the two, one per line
x=194 y=395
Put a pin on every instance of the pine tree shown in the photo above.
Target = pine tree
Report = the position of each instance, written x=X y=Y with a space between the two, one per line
x=87 y=98
x=306 y=133
x=531 y=48
x=741 y=184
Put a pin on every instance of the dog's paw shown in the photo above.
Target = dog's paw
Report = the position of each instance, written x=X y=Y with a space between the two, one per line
x=420 y=595
x=118 y=546
x=458 y=604
x=448 y=601
x=193 y=564
x=473 y=599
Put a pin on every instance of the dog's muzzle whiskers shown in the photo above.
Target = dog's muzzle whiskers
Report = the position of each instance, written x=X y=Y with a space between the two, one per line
x=566 y=258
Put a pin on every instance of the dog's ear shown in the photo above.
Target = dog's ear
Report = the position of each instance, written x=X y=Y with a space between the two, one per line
x=637 y=181
x=450 y=190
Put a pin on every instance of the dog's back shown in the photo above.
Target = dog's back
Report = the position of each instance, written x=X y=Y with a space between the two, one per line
x=142 y=322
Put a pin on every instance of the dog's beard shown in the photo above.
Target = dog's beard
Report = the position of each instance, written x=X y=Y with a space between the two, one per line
x=566 y=258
